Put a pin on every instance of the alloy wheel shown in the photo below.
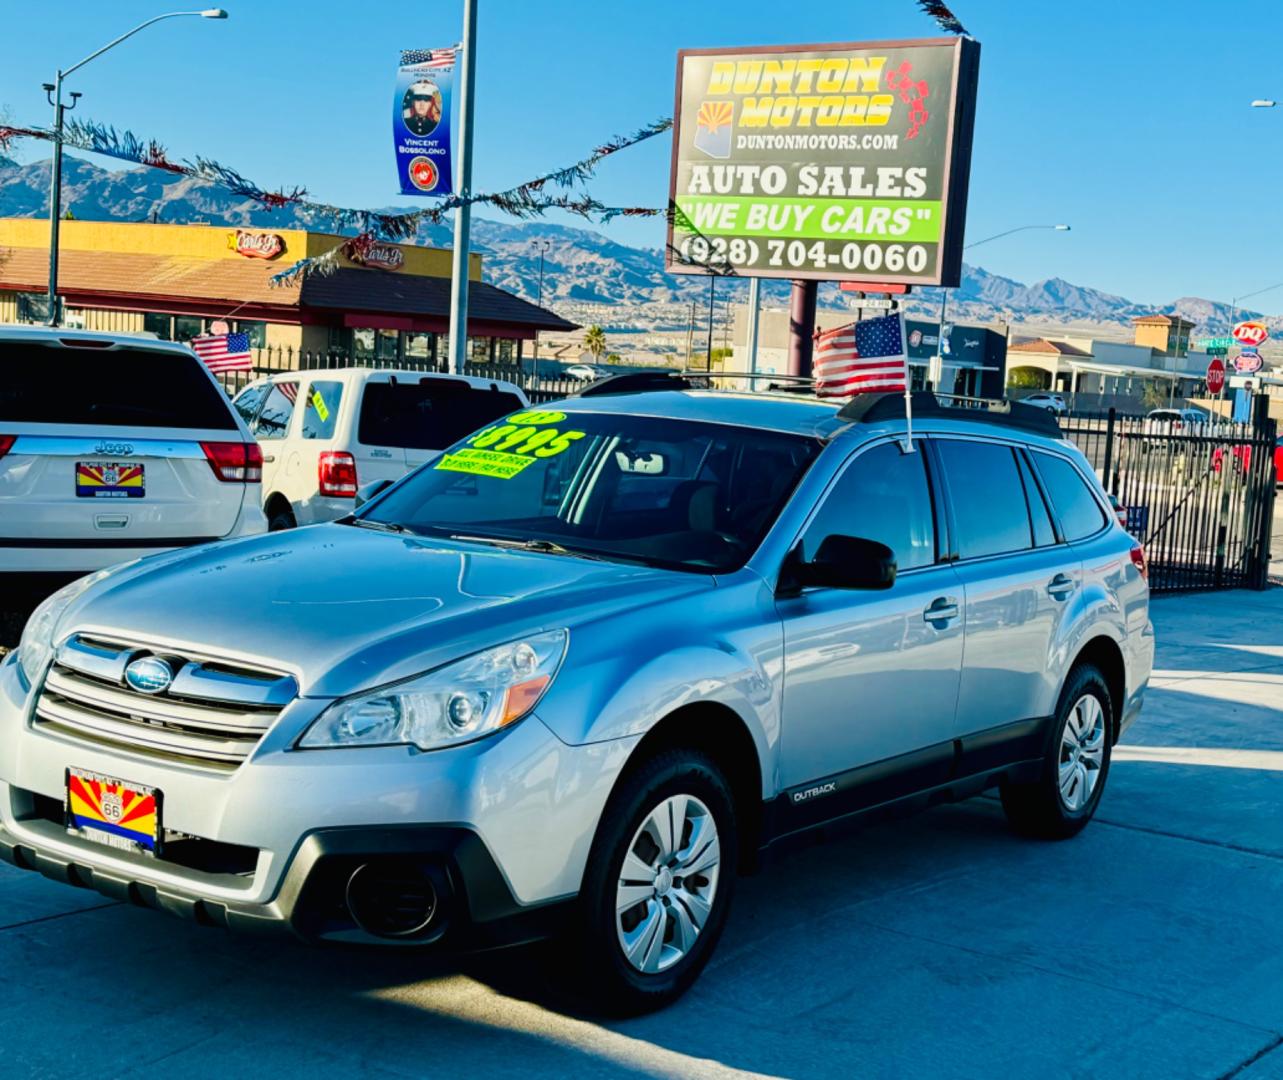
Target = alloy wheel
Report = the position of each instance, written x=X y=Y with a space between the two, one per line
x=667 y=884
x=1082 y=752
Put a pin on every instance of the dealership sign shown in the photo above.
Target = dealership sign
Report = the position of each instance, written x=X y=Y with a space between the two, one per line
x=1251 y=333
x=830 y=162
x=256 y=245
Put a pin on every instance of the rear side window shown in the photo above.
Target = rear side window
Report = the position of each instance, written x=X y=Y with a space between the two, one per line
x=321 y=410
x=988 y=499
x=882 y=496
x=428 y=415
x=277 y=409
x=248 y=401
x=1079 y=512
x=1044 y=532
x=140 y=388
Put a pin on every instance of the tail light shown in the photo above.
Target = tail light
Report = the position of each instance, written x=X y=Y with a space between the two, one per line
x=235 y=462
x=6 y=443
x=1138 y=561
x=336 y=474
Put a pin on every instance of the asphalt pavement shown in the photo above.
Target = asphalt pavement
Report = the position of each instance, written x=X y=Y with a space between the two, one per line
x=937 y=946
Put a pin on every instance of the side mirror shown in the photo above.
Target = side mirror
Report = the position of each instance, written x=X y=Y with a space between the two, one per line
x=366 y=492
x=845 y=562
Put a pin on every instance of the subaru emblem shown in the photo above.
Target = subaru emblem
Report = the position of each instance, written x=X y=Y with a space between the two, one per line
x=149 y=675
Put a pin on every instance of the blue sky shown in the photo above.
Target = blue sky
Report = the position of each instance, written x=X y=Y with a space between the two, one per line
x=1128 y=121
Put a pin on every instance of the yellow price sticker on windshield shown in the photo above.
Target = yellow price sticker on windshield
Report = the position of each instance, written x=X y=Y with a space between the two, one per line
x=484 y=463
x=318 y=403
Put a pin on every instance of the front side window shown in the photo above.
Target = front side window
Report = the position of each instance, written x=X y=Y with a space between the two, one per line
x=989 y=509
x=321 y=410
x=1079 y=512
x=274 y=418
x=674 y=493
x=884 y=496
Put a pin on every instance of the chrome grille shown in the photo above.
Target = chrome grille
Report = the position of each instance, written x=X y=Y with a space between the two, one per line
x=213 y=713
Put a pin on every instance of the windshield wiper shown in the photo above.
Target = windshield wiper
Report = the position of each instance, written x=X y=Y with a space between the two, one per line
x=547 y=547
x=382 y=526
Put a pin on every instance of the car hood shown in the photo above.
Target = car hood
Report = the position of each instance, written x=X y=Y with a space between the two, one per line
x=345 y=608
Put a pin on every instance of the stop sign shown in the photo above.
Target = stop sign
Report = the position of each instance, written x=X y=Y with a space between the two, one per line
x=1216 y=375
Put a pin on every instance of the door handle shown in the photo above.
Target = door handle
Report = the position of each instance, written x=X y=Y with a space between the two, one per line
x=942 y=609
x=269 y=457
x=1060 y=586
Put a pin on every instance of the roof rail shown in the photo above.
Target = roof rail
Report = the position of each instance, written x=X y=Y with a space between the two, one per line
x=872 y=408
x=635 y=382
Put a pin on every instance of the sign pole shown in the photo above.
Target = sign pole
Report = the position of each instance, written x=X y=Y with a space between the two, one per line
x=463 y=214
x=802 y=327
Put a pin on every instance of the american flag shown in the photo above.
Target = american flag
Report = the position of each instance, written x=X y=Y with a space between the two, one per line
x=862 y=358
x=429 y=57
x=223 y=352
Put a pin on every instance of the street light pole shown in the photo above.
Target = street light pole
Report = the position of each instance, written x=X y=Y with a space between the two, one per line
x=53 y=91
x=712 y=281
x=541 y=246
x=463 y=213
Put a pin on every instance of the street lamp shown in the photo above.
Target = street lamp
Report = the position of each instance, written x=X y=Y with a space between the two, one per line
x=944 y=293
x=541 y=246
x=53 y=91
x=1263 y=103
x=1248 y=296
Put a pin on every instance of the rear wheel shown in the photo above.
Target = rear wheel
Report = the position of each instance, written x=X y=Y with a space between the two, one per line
x=659 y=881
x=279 y=517
x=1063 y=799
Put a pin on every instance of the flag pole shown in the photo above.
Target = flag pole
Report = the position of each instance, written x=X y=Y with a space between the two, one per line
x=907 y=446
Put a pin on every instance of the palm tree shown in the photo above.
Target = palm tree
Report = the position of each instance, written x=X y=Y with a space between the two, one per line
x=595 y=341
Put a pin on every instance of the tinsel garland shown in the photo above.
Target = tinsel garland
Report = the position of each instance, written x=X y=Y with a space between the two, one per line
x=944 y=18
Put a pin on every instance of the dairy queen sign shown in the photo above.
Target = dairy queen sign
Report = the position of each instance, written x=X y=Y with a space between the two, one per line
x=255 y=245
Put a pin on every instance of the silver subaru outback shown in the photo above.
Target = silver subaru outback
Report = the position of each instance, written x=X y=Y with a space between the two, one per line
x=581 y=670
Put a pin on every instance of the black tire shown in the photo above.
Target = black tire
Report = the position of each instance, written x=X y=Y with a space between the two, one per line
x=611 y=982
x=1039 y=809
x=280 y=517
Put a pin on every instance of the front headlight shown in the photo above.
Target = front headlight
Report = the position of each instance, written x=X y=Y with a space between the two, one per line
x=36 y=647
x=465 y=700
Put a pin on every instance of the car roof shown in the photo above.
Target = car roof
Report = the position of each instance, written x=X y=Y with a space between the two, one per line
x=61 y=335
x=771 y=412
x=357 y=374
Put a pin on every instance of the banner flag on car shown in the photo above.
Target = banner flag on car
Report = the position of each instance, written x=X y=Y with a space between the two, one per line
x=421 y=121
x=224 y=352
x=866 y=357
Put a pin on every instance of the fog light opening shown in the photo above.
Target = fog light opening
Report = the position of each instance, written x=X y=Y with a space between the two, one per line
x=393 y=899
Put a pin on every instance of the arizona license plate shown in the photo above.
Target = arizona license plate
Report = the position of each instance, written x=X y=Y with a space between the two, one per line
x=110 y=480
x=113 y=812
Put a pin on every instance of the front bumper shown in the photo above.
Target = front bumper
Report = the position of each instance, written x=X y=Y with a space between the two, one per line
x=474 y=906
x=504 y=825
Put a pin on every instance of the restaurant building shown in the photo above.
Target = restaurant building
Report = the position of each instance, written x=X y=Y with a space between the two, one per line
x=386 y=303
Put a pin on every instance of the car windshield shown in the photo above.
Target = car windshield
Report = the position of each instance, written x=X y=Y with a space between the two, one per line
x=679 y=494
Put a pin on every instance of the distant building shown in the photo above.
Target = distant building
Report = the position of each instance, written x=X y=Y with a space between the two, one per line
x=1160 y=356
x=389 y=304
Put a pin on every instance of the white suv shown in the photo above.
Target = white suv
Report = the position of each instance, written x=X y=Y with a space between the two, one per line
x=114 y=446
x=324 y=433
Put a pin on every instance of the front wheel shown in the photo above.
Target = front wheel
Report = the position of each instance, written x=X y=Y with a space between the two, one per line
x=1063 y=799
x=659 y=881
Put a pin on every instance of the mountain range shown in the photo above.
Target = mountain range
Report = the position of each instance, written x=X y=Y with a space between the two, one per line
x=581 y=266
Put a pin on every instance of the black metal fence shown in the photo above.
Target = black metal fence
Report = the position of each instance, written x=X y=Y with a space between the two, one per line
x=1199 y=498
x=275 y=359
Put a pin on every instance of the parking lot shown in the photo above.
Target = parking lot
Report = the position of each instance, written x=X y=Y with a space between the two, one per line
x=940 y=945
